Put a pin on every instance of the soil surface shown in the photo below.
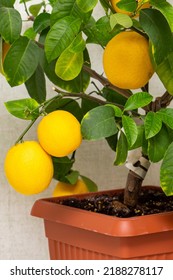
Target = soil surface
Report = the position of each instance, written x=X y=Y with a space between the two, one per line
x=150 y=202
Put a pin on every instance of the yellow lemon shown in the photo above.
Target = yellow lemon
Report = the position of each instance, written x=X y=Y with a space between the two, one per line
x=63 y=189
x=59 y=133
x=28 y=168
x=126 y=60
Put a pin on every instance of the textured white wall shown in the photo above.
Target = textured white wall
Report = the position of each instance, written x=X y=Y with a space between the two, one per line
x=22 y=236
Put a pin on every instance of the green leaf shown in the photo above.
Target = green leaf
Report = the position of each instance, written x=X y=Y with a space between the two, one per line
x=10 y=24
x=70 y=62
x=60 y=36
x=79 y=84
x=165 y=72
x=114 y=97
x=100 y=32
x=158 y=145
x=69 y=65
x=122 y=149
x=72 y=177
x=36 y=85
x=86 y=5
x=21 y=61
x=138 y=100
x=78 y=44
x=87 y=105
x=118 y=112
x=159 y=32
x=121 y=19
x=63 y=8
x=7 y=3
x=165 y=8
x=98 y=123
x=62 y=167
x=130 y=129
x=153 y=124
x=26 y=109
x=129 y=6
x=35 y=9
x=166 y=115
x=30 y=33
x=92 y=187
x=140 y=137
x=41 y=22
x=112 y=141
x=166 y=171
x=67 y=104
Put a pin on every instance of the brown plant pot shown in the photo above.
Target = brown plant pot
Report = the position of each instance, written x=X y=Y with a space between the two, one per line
x=75 y=234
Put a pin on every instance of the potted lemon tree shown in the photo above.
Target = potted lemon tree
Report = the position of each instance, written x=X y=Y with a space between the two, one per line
x=136 y=38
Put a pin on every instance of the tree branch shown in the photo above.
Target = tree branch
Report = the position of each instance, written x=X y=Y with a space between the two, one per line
x=105 y=82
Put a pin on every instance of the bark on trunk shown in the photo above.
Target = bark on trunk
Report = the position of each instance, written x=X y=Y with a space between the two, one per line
x=132 y=189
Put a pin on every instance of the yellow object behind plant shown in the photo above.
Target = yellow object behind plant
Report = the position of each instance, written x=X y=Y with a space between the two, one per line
x=59 y=133
x=126 y=60
x=28 y=168
x=63 y=189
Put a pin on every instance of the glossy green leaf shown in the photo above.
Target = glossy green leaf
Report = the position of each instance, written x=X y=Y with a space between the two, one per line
x=10 y=24
x=70 y=62
x=21 y=61
x=72 y=177
x=26 y=109
x=130 y=129
x=140 y=137
x=153 y=21
x=63 y=8
x=36 y=85
x=118 y=112
x=79 y=84
x=41 y=22
x=92 y=187
x=35 y=9
x=166 y=115
x=67 y=104
x=158 y=145
x=100 y=32
x=60 y=36
x=138 y=100
x=122 y=149
x=98 y=123
x=162 y=44
x=165 y=8
x=120 y=19
x=129 y=5
x=62 y=167
x=30 y=33
x=69 y=65
x=86 y=5
x=7 y=3
x=112 y=141
x=153 y=124
x=112 y=96
x=166 y=171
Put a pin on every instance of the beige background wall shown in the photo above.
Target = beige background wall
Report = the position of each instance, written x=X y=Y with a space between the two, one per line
x=22 y=236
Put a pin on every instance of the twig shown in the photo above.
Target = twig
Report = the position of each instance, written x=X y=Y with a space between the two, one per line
x=105 y=82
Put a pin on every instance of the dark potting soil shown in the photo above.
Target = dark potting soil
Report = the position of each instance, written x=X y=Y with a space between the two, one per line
x=150 y=202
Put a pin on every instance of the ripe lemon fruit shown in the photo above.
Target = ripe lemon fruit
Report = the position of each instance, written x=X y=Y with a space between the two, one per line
x=126 y=60
x=140 y=6
x=28 y=168
x=59 y=133
x=63 y=189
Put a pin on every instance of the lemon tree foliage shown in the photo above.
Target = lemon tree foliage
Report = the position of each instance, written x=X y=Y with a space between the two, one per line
x=55 y=46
